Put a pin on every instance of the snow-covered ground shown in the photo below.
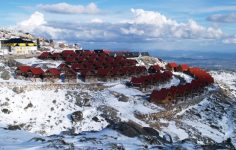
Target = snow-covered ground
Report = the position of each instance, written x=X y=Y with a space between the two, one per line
x=226 y=79
x=39 y=63
x=47 y=111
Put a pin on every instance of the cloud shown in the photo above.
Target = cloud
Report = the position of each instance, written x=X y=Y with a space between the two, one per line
x=65 y=8
x=144 y=27
x=37 y=24
x=36 y=19
x=96 y=20
x=163 y=27
x=217 y=8
x=223 y=18
x=230 y=40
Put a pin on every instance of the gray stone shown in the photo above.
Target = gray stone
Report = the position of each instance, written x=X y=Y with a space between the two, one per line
x=6 y=111
x=5 y=75
x=109 y=113
x=18 y=90
x=77 y=116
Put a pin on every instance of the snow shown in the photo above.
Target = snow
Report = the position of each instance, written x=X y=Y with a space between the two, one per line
x=12 y=140
x=206 y=130
x=173 y=82
x=226 y=79
x=35 y=61
x=186 y=77
x=174 y=131
x=48 y=114
x=120 y=88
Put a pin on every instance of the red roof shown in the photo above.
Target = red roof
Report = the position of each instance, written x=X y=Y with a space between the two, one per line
x=56 y=55
x=24 y=69
x=184 y=67
x=159 y=95
x=45 y=54
x=37 y=71
x=76 y=66
x=172 y=65
x=154 y=68
x=54 y=71
x=62 y=65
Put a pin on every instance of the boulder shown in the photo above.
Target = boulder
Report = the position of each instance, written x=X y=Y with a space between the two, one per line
x=132 y=129
x=17 y=90
x=77 y=116
x=109 y=113
x=150 y=131
x=123 y=98
x=5 y=75
x=6 y=111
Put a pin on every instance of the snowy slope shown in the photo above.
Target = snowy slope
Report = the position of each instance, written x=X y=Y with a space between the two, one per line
x=226 y=80
x=46 y=112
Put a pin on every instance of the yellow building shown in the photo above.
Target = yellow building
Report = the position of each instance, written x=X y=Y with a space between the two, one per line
x=18 y=46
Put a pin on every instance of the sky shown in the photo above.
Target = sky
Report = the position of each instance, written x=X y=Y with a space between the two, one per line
x=199 y=25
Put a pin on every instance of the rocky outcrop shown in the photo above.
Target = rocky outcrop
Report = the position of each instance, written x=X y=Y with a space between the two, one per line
x=132 y=129
x=5 y=75
x=77 y=116
x=109 y=113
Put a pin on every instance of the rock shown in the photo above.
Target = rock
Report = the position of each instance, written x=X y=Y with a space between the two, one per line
x=38 y=139
x=152 y=140
x=6 y=111
x=127 y=130
x=150 y=131
x=132 y=129
x=77 y=116
x=109 y=113
x=80 y=101
x=168 y=138
x=29 y=106
x=60 y=143
x=5 y=75
x=123 y=98
x=95 y=119
x=18 y=90
x=15 y=127
x=117 y=146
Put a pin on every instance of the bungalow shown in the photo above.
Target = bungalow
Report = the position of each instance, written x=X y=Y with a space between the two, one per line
x=161 y=97
x=154 y=69
x=52 y=73
x=137 y=82
x=23 y=71
x=172 y=66
x=183 y=67
x=87 y=74
x=70 y=60
x=68 y=53
x=45 y=55
x=36 y=73
x=76 y=67
x=56 y=56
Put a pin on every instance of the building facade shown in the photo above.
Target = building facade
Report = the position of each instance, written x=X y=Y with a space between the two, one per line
x=17 y=46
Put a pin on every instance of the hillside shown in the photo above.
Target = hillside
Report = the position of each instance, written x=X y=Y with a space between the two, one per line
x=95 y=114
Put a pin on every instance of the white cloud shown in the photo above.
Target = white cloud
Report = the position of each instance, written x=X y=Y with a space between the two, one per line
x=217 y=8
x=150 y=17
x=163 y=27
x=36 y=24
x=223 y=18
x=230 y=40
x=145 y=26
x=36 y=19
x=96 y=20
x=65 y=8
